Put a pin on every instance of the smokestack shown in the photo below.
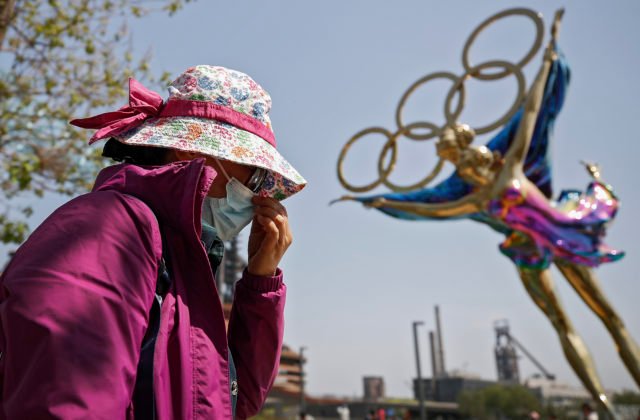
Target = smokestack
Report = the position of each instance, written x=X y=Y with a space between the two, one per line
x=435 y=369
x=434 y=351
x=442 y=372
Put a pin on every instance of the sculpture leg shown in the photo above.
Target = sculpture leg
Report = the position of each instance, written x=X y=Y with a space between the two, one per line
x=584 y=281
x=539 y=285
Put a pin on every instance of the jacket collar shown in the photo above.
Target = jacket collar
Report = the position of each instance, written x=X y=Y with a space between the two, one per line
x=174 y=192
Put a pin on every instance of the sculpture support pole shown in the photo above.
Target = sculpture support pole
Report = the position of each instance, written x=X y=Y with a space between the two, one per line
x=540 y=287
x=585 y=283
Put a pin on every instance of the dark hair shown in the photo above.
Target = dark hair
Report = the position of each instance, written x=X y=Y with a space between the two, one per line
x=139 y=155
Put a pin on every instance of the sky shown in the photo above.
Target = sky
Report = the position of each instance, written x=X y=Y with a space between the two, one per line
x=358 y=279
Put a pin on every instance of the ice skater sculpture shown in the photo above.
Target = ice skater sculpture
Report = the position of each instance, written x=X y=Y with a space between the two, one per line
x=506 y=184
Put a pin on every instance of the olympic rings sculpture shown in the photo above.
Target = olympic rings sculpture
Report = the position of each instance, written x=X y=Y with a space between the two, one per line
x=416 y=130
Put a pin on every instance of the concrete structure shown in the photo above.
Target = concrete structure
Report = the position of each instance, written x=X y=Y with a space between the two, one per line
x=436 y=347
x=289 y=379
x=284 y=399
x=229 y=271
x=557 y=394
x=373 y=388
x=449 y=388
x=439 y=369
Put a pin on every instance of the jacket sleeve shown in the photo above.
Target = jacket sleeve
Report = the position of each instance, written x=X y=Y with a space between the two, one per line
x=256 y=327
x=74 y=307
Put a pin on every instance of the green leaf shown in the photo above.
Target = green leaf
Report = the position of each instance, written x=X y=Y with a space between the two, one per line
x=89 y=47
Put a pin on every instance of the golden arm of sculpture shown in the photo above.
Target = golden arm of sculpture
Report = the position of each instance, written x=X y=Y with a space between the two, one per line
x=517 y=153
x=500 y=176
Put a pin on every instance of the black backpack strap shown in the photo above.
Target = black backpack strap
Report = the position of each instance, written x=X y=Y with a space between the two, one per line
x=143 y=396
x=143 y=399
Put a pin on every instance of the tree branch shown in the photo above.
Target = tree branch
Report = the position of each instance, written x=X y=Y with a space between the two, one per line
x=6 y=17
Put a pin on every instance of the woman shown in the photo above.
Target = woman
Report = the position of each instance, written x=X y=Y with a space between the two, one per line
x=110 y=309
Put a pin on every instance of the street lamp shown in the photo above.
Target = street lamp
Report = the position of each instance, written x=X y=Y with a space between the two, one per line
x=302 y=381
x=423 y=412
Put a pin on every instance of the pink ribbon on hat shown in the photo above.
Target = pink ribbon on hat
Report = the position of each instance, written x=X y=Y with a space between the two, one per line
x=145 y=104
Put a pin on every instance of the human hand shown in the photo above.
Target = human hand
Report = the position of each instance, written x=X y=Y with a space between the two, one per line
x=270 y=236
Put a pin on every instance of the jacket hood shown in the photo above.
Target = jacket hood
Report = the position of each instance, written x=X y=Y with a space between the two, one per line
x=174 y=191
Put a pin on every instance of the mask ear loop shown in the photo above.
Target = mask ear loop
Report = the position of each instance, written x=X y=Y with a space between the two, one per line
x=229 y=178
x=222 y=169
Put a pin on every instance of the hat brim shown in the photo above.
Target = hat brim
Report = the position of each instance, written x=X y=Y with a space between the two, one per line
x=223 y=141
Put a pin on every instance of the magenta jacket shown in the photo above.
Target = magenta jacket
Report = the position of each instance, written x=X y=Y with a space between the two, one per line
x=75 y=302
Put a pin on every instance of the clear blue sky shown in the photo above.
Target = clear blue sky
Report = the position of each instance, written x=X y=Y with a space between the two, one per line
x=356 y=278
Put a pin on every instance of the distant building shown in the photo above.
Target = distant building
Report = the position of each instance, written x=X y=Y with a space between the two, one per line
x=373 y=388
x=448 y=389
x=283 y=401
x=229 y=271
x=557 y=394
x=289 y=380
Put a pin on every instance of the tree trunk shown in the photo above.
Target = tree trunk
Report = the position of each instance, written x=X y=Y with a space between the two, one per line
x=7 y=8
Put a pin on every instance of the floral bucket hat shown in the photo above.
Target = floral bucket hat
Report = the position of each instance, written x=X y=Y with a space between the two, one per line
x=210 y=110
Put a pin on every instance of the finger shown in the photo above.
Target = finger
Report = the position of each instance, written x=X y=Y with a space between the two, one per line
x=271 y=231
x=281 y=223
x=276 y=210
x=269 y=202
x=270 y=213
x=284 y=234
x=264 y=220
x=256 y=226
x=286 y=237
x=259 y=200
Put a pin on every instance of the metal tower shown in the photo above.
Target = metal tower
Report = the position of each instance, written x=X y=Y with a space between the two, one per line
x=506 y=356
x=230 y=270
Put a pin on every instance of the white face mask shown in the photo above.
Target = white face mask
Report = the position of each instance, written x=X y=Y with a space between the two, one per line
x=232 y=213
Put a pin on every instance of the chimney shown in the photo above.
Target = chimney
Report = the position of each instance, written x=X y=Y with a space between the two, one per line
x=442 y=371
x=434 y=351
